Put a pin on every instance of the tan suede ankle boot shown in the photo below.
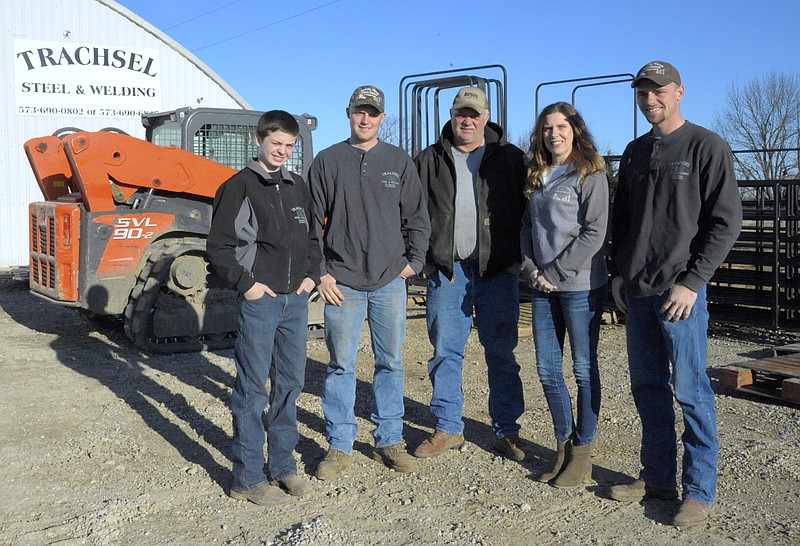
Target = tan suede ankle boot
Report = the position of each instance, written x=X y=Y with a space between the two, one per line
x=579 y=468
x=562 y=458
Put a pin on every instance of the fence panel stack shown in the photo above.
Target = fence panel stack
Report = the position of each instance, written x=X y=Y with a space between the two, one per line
x=759 y=282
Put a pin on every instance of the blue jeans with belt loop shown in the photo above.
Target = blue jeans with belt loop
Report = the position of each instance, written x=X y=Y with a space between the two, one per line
x=271 y=344
x=385 y=311
x=579 y=314
x=654 y=346
x=451 y=303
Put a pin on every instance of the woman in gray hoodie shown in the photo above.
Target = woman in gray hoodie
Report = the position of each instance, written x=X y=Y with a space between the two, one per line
x=562 y=238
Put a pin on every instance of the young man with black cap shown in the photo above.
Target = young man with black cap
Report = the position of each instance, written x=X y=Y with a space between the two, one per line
x=474 y=184
x=375 y=236
x=677 y=213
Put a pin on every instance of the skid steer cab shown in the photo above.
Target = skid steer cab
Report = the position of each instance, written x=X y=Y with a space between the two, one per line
x=122 y=229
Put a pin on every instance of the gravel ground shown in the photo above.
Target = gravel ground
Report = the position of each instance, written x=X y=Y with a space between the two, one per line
x=103 y=444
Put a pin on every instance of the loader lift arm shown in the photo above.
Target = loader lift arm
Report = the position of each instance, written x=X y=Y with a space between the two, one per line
x=108 y=168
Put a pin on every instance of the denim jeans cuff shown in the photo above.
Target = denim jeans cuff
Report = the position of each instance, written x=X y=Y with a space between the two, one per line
x=252 y=488
x=702 y=499
x=345 y=450
x=508 y=431
x=387 y=443
x=451 y=432
x=284 y=474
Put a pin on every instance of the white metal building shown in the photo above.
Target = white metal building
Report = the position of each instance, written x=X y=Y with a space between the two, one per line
x=88 y=64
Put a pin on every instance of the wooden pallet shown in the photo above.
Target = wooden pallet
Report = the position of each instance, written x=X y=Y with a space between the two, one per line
x=787 y=349
x=775 y=377
x=525 y=320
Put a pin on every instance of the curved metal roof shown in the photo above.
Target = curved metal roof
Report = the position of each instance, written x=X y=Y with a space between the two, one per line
x=203 y=67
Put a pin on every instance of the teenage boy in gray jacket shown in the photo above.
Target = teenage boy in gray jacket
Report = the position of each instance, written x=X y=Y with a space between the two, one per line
x=262 y=245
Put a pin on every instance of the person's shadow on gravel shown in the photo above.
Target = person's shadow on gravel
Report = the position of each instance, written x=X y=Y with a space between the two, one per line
x=418 y=421
x=659 y=511
x=133 y=377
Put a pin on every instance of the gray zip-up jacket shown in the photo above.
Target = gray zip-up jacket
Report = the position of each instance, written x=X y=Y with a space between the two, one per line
x=373 y=211
x=261 y=231
x=564 y=230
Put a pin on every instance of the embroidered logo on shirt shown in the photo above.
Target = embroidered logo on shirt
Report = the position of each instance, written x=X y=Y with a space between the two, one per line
x=562 y=194
x=300 y=215
x=390 y=179
x=680 y=170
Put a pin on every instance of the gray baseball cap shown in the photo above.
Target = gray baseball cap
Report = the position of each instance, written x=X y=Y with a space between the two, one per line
x=659 y=72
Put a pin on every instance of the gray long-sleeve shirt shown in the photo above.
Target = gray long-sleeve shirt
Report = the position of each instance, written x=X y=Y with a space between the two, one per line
x=564 y=230
x=375 y=217
x=677 y=210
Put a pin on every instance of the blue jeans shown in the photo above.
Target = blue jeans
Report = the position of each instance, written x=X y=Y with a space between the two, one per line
x=653 y=345
x=450 y=305
x=271 y=344
x=578 y=313
x=385 y=311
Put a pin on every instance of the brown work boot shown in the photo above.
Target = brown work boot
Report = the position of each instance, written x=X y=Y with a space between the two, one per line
x=294 y=485
x=692 y=513
x=263 y=495
x=439 y=442
x=508 y=447
x=396 y=457
x=639 y=491
x=332 y=465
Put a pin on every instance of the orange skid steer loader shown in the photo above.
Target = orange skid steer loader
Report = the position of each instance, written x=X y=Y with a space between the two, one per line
x=122 y=230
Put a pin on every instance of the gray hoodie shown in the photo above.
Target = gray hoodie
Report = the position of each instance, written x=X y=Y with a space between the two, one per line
x=564 y=231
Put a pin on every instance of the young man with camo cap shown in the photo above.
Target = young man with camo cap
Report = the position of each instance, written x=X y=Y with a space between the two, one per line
x=376 y=232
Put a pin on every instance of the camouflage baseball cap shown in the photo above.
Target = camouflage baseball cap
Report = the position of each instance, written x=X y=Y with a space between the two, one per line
x=368 y=95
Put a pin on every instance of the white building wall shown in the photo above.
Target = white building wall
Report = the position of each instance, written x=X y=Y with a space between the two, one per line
x=181 y=80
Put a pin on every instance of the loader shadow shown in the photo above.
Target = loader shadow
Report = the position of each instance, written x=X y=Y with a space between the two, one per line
x=133 y=375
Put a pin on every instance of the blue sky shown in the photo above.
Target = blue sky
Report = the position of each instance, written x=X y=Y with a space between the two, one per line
x=309 y=55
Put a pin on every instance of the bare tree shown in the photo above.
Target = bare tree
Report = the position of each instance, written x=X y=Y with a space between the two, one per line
x=523 y=140
x=389 y=131
x=763 y=116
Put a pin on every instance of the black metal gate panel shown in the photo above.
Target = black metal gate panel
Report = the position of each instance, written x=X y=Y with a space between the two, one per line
x=759 y=282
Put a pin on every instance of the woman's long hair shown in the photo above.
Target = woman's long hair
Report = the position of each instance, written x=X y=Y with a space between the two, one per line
x=584 y=153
